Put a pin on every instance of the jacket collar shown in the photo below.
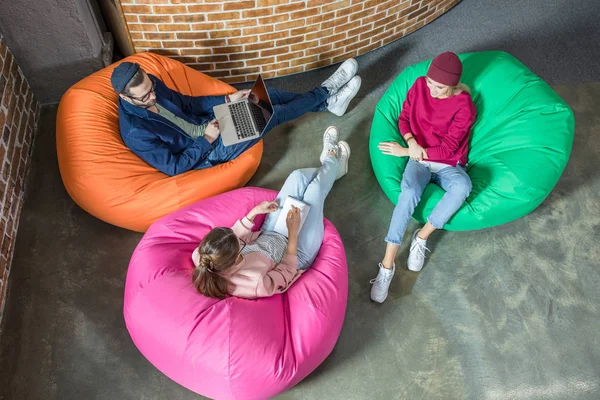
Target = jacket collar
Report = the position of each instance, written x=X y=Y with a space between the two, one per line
x=161 y=99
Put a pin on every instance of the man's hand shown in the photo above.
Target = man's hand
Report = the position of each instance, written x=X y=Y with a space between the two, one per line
x=393 y=149
x=242 y=94
x=293 y=222
x=212 y=131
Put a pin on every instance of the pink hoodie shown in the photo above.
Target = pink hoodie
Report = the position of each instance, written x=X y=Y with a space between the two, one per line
x=441 y=126
x=257 y=275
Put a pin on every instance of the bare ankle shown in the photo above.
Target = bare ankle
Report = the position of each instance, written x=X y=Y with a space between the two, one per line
x=387 y=264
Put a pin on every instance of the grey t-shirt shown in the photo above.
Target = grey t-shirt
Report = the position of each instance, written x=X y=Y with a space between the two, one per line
x=192 y=130
x=271 y=244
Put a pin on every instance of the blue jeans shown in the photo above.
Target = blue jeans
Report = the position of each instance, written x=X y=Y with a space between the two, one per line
x=310 y=185
x=454 y=180
x=286 y=107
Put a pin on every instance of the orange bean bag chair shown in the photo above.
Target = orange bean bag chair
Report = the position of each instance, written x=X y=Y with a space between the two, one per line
x=110 y=182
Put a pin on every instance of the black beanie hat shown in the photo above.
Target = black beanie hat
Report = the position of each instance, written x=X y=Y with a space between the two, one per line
x=122 y=75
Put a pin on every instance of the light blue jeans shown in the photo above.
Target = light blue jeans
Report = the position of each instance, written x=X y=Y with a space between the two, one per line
x=310 y=185
x=454 y=180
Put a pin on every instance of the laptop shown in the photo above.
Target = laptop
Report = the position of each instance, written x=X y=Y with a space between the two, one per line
x=245 y=119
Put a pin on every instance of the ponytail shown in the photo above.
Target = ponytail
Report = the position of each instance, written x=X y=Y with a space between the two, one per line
x=217 y=252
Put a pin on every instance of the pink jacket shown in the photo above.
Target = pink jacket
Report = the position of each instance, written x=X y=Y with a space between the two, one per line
x=257 y=275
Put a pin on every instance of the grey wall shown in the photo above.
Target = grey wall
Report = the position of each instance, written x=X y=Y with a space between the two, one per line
x=56 y=42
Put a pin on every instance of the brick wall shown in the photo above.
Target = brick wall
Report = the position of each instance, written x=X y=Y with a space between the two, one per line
x=235 y=40
x=19 y=112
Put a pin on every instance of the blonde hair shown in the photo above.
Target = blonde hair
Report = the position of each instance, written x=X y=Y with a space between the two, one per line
x=461 y=87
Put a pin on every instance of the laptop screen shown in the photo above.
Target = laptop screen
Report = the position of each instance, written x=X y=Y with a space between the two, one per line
x=260 y=97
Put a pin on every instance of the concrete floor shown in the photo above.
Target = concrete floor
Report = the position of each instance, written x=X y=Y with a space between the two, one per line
x=510 y=312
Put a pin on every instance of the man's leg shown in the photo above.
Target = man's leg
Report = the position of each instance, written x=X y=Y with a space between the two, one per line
x=289 y=106
x=222 y=154
x=286 y=107
x=295 y=185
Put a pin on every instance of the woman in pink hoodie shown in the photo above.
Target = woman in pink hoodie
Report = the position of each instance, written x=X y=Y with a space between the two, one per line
x=435 y=122
x=238 y=262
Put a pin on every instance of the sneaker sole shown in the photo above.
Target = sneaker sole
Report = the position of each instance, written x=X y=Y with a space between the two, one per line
x=347 y=102
x=378 y=301
x=345 y=166
x=324 y=151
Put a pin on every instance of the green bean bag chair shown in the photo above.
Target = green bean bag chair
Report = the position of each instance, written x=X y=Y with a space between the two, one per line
x=519 y=145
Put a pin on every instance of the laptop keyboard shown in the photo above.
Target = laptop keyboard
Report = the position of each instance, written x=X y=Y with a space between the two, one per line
x=242 y=120
x=258 y=116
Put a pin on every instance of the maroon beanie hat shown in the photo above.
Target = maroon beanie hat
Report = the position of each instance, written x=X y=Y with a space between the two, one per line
x=446 y=69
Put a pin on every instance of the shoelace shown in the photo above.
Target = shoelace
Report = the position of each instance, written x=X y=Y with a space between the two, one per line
x=337 y=78
x=421 y=249
x=384 y=278
x=329 y=139
x=343 y=90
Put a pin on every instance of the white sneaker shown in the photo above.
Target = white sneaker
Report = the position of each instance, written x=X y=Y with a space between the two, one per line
x=416 y=258
x=381 y=284
x=330 y=141
x=341 y=76
x=338 y=103
x=343 y=156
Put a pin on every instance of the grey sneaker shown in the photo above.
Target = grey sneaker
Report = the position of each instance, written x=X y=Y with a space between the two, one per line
x=416 y=257
x=330 y=141
x=381 y=284
x=339 y=102
x=343 y=156
x=341 y=76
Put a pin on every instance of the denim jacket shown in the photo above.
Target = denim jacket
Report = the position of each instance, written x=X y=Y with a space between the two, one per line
x=161 y=143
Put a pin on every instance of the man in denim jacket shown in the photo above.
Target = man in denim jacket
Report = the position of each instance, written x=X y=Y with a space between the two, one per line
x=175 y=133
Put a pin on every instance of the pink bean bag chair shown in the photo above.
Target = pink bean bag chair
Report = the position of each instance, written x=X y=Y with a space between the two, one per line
x=232 y=348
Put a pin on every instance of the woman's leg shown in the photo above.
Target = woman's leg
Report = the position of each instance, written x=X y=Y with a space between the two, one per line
x=457 y=184
x=295 y=185
x=311 y=234
x=414 y=180
x=281 y=96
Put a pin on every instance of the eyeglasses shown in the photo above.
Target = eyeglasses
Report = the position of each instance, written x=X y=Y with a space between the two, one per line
x=145 y=97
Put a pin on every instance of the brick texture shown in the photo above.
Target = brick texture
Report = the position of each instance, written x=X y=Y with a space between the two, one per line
x=19 y=112
x=301 y=34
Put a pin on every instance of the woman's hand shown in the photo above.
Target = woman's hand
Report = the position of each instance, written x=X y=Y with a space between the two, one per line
x=266 y=207
x=263 y=208
x=393 y=149
x=241 y=94
x=212 y=131
x=415 y=151
x=293 y=222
